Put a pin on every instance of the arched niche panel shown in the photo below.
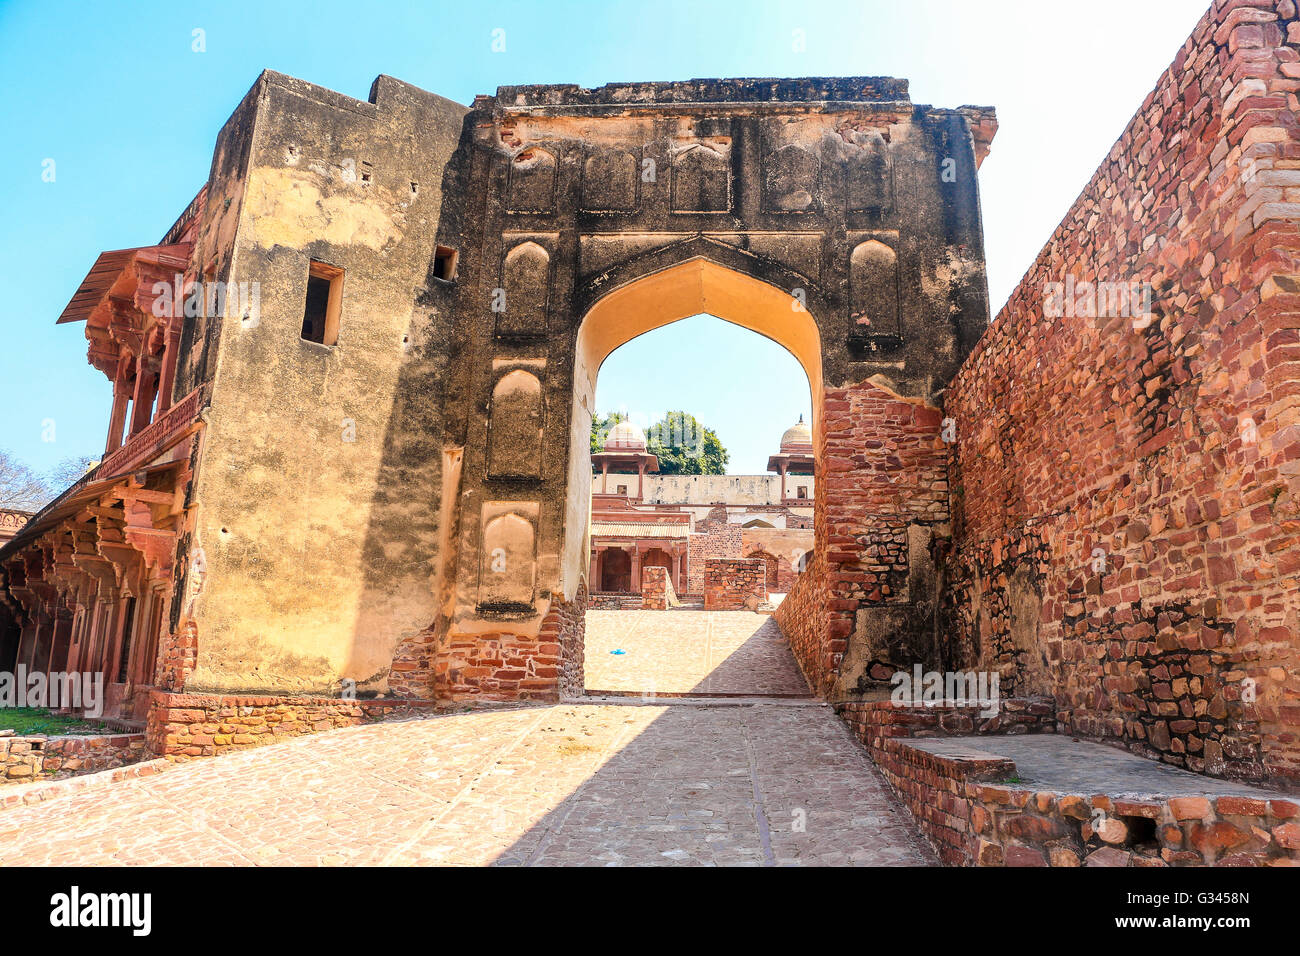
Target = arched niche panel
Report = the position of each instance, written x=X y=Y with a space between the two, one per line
x=790 y=183
x=609 y=181
x=526 y=281
x=873 y=289
x=508 y=563
x=515 y=427
x=532 y=181
x=870 y=184
x=701 y=180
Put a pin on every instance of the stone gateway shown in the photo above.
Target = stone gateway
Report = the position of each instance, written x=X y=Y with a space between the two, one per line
x=353 y=474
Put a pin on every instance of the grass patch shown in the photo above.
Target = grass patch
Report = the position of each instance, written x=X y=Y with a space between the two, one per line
x=24 y=721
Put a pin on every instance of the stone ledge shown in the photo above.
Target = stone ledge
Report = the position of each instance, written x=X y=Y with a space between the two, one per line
x=32 y=793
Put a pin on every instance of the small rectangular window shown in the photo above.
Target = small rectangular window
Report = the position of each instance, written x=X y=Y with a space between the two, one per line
x=801 y=492
x=444 y=264
x=320 y=317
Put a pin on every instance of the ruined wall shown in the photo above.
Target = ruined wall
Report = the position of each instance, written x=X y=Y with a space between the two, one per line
x=322 y=474
x=711 y=540
x=1125 y=487
x=40 y=757
x=734 y=584
x=657 y=592
x=866 y=606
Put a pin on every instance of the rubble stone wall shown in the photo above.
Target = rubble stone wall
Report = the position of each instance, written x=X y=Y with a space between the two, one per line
x=24 y=759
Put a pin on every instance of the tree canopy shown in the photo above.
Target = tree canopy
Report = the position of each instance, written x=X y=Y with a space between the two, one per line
x=683 y=445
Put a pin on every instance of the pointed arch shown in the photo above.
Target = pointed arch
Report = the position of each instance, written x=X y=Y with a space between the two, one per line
x=649 y=301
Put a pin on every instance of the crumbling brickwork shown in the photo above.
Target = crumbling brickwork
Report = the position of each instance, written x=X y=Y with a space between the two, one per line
x=1126 y=485
x=734 y=584
x=713 y=539
x=882 y=471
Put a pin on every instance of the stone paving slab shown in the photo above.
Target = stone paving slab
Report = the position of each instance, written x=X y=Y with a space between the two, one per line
x=767 y=783
x=1057 y=762
x=700 y=652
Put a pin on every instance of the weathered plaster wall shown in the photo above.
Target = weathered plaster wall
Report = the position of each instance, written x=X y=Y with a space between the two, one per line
x=711 y=489
x=1125 y=491
x=321 y=482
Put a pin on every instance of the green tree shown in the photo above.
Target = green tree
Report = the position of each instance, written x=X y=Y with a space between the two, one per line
x=684 y=446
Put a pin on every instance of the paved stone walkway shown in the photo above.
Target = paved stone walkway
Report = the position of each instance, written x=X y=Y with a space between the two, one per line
x=773 y=783
x=675 y=783
x=696 y=652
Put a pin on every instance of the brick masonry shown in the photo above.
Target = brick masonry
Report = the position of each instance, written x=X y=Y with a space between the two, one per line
x=882 y=466
x=714 y=538
x=972 y=817
x=177 y=652
x=973 y=814
x=734 y=584
x=1135 y=486
x=567 y=624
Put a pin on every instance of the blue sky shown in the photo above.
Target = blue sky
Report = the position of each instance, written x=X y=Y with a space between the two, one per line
x=116 y=96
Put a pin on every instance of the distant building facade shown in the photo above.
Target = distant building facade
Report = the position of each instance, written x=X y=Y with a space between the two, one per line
x=641 y=519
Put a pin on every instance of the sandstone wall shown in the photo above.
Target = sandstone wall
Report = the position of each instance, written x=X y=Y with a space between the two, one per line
x=1127 y=491
x=657 y=592
x=24 y=759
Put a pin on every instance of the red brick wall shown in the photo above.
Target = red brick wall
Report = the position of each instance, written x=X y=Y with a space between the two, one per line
x=881 y=466
x=177 y=654
x=734 y=584
x=1172 y=449
x=973 y=816
x=507 y=666
x=973 y=820
x=711 y=540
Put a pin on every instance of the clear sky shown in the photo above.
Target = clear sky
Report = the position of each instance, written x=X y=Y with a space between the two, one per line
x=115 y=94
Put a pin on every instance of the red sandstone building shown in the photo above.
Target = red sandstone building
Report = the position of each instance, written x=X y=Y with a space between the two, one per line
x=90 y=576
x=678 y=522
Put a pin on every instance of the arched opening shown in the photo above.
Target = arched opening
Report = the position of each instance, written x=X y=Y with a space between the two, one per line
x=698 y=286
